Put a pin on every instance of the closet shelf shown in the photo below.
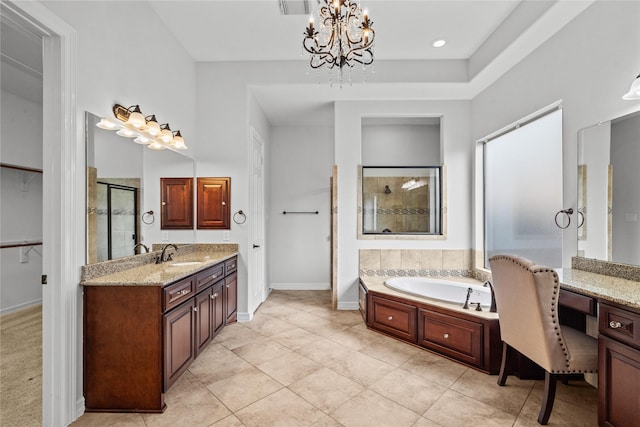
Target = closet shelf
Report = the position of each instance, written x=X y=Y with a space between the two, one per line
x=20 y=243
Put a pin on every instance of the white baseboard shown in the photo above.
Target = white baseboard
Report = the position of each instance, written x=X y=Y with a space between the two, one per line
x=27 y=304
x=244 y=317
x=79 y=407
x=301 y=286
x=348 y=305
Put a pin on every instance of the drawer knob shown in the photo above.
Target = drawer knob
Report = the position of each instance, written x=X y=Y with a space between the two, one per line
x=390 y=318
x=615 y=325
x=195 y=308
x=215 y=295
x=185 y=291
x=446 y=336
x=214 y=276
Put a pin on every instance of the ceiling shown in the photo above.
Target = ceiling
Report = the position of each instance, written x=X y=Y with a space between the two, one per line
x=485 y=38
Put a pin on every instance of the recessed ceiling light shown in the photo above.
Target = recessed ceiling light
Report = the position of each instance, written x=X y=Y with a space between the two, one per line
x=439 y=43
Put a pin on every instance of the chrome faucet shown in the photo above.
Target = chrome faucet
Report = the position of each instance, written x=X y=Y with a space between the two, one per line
x=494 y=308
x=161 y=258
x=142 y=245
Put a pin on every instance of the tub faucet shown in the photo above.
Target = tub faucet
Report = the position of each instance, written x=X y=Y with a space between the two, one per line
x=466 y=301
x=161 y=258
x=141 y=245
x=494 y=308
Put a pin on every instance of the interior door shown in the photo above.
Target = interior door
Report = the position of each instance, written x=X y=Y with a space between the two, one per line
x=334 y=237
x=257 y=284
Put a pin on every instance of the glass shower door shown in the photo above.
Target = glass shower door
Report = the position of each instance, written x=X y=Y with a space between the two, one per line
x=117 y=220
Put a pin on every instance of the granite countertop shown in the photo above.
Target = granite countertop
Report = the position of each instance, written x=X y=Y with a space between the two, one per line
x=151 y=274
x=376 y=284
x=604 y=288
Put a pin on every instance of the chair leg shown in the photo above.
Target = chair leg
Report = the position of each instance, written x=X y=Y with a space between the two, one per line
x=549 y=397
x=502 y=377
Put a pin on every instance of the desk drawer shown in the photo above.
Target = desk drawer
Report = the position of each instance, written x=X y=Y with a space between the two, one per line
x=577 y=302
x=619 y=324
x=394 y=318
x=231 y=265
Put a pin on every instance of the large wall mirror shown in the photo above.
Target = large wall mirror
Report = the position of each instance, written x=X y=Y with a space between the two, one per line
x=123 y=185
x=608 y=191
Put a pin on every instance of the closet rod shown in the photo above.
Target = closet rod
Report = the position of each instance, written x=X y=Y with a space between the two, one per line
x=19 y=244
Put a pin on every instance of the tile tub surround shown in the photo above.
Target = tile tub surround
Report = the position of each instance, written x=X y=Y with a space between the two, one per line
x=298 y=362
x=142 y=269
x=415 y=262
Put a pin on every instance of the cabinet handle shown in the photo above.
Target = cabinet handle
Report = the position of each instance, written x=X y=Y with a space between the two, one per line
x=164 y=203
x=390 y=318
x=185 y=291
x=227 y=286
x=215 y=295
x=214 y=276
x=195 y=309
x=446 y=336
x=615 y=325
x=224 y=203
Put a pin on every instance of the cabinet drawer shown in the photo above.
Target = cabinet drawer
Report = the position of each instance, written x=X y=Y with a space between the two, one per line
x=577 y=302
x=455 y=337
x=395 y=318
x=230 y=265
x=209 y=276
x=619 y=324
x=173 y=295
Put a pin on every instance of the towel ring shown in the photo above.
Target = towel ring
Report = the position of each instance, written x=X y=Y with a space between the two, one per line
x=145 y=217
x=239 y=217
x=567 y=212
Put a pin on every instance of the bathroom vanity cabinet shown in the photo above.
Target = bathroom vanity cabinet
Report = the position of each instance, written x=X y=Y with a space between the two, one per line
x=472 y=340
x=619 y=366
x=138 y=340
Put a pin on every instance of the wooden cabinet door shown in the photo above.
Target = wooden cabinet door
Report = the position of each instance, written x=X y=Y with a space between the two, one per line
x=179 y=347
x=618 y=383
x=214 y=203
x=204 y=321
x=176 y=202
x=395 y=318
x=217 y=307
x=231 y=297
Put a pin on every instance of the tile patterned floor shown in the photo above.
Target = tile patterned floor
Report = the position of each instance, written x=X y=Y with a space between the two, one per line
x=299 y=363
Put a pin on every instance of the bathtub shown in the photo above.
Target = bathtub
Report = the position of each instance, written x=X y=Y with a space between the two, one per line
x=442 y=290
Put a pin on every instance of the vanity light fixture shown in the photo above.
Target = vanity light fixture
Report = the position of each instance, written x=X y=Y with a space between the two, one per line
x=131 y=123
x=634 y=90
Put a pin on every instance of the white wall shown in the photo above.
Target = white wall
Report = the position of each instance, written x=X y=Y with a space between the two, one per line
x=20 y=204
x=589 y=65
x=401 y=145
x=301 y=165
x=457 y=155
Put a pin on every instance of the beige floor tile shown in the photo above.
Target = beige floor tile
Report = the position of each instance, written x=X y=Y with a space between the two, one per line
x=268 y=325
x=363 y=369
x=326 y=389
x=454 y=409
x=276 y=310
x=423 y=422
x=236 y=335
x=578 y=393
x=408 y=390
x=101 y=419
x=353 y=339
x=371 y=409
x=326 y=421
x=289 y=367
x=230 y=421
x=282 y=408
x=216 y=363
x=343 y=317
x=564 y=413
x=261 y=351
x=390 y=350
x=295 y=338
x=326 y=352
x=434 y=368
x=509 y=398
x=244 y=388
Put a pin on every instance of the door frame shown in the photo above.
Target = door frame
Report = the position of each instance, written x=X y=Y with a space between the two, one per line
x=63 y=225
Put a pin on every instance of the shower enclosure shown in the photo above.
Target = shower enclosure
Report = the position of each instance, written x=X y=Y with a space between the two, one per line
x=117 y=220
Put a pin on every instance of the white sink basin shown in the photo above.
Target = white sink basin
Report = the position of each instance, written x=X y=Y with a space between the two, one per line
x=185 y=263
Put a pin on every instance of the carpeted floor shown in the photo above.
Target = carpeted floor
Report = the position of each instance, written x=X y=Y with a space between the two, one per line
x=21 y=367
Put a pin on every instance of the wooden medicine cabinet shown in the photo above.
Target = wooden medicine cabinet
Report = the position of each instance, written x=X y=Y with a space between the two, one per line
x=214 y=199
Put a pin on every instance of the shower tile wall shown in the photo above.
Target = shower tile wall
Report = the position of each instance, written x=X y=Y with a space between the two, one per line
x=389 y=207
x=416 y=262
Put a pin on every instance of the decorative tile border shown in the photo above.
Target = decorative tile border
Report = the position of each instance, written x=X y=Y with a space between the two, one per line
x=607 y=268
x=416 y=273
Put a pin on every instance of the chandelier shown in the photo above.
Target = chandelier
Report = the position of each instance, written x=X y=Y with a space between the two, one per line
x=344 y=39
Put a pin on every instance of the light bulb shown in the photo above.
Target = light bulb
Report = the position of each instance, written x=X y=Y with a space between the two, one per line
x=156 y=146
x=136 y=119
x=142 y=140
x=126 y=133
x=153 y=128
x=178 y=141
x=106 y=124
x=166 y=136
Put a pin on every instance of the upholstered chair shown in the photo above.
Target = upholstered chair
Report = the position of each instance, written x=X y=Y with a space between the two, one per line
x=527 y=299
